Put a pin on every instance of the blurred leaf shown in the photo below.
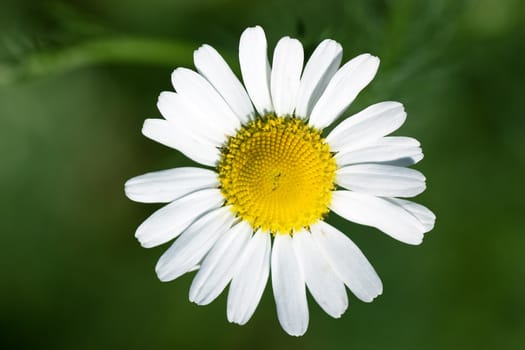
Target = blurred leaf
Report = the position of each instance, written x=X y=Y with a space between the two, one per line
x=122 y=50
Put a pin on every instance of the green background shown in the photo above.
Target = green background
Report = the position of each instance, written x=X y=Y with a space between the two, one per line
x=78 y=78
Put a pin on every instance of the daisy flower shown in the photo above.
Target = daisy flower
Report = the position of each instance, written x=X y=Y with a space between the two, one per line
x=271 y=177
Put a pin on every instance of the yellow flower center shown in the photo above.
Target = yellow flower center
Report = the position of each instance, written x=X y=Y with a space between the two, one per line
x=278 y=174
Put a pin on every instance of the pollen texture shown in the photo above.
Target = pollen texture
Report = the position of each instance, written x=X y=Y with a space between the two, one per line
x=278 y=174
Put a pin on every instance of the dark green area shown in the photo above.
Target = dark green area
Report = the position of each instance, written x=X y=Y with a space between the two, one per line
x=77 y=79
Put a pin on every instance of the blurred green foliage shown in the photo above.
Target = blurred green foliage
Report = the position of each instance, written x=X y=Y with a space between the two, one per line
x=78 y=78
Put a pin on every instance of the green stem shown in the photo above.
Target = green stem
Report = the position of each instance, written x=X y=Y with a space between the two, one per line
x=99 y=51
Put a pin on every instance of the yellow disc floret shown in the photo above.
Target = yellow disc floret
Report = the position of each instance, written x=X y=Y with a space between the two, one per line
x=278 y=174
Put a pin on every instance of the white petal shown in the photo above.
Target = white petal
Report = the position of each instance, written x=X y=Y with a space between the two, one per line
x=367 y=126
x=255 y=68
x=249 y=279
x=348 y=261
x=167 y=185
x=194 y=268
x=169 y=221
x=198 y=90
x=213 y=67
x=189 y=249
x=344 y=87
x=287 y=65
x=422 y=213
x=380 y=213
x=164 y=132
x=218 y=266
x=381 y=180
x=318 y=71
x=325 y=286
x=288 y=287
x=394 y=150
x=188 y=118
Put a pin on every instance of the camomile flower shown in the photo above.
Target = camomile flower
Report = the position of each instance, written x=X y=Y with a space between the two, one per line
x=271 y=176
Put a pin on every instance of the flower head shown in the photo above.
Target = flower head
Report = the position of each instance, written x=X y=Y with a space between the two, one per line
x=276 y=176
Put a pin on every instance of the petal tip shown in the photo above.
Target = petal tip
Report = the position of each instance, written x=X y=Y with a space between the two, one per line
x=298 y=332
x=200 y=52
x=193 y=298
x=143 y=243
x=338 y=314
x=237 y=321
x=146 y=127
x=256 y=29
x=377 y=295
x=141 y=236
x=416 y=241
x=161 y=273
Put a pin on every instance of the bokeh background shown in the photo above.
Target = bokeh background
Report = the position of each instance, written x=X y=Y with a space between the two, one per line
x=77 y=79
